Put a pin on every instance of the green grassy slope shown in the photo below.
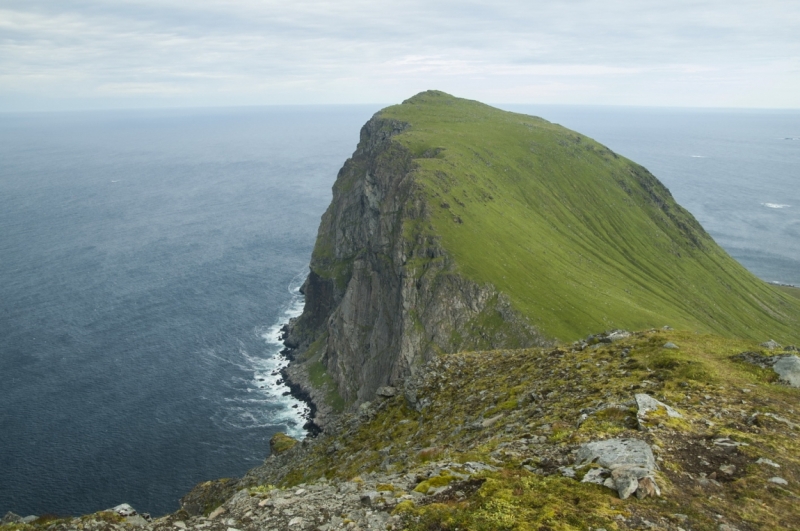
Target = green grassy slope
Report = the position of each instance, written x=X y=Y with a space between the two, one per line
x=581 y=239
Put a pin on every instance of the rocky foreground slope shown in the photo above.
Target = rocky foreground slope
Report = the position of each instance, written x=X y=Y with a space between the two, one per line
x=658 y=429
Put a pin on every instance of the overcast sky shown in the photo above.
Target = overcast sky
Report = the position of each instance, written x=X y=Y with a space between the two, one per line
x=66 y=54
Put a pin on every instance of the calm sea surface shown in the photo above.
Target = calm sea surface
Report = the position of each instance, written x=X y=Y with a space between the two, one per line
x=148 y=258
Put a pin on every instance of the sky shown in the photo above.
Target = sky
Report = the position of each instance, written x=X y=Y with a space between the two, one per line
x=91 y=54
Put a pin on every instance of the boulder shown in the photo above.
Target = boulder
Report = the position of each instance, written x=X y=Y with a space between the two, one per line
x=124 y=509
x=616 y=335
x=11 y=518
x=386 y=392
x=626 y=465
x=670 y=344
x=788 y=369
x=647 y=403
x=771 y=344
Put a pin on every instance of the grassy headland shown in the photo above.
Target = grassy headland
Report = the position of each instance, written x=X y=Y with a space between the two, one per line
x=580 y=238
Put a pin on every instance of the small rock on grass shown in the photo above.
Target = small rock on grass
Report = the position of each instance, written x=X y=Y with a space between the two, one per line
x=647 y=403
x=670 y=344
x=765 y=461
x=778 y=481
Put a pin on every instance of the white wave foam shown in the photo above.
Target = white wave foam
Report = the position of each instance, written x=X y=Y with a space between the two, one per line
x=262 y=399
x=698 y=156
x=775 y=205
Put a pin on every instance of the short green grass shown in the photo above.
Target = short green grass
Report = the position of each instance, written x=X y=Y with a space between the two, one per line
x=320 y=379
x=578 y=237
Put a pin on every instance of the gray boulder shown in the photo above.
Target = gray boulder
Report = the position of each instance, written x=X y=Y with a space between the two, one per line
x=626 y=465
x=386 y=392
x=11 y=518
x=771 y=344
x=788 y=368
x=647 y=403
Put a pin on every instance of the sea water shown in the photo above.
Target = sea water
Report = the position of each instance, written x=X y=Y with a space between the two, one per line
x=147 y=261
x=149 y=258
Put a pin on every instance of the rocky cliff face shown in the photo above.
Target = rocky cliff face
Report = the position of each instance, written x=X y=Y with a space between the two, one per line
x=382 y=296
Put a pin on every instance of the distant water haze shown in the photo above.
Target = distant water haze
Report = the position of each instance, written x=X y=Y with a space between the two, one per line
x=148 y=259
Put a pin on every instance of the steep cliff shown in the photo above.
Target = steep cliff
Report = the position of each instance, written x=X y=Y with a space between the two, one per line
x=383 y=296
x=456 y=226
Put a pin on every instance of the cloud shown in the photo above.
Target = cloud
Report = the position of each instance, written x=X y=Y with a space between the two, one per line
x=222 y=52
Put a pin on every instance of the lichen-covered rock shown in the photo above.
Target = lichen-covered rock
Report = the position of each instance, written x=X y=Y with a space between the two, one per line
x=647 y=404
x=625 y=465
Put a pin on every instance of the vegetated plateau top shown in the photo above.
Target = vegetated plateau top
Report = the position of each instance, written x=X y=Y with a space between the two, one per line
x=580 y=238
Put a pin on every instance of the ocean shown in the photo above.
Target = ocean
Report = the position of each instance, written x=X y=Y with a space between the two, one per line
x=149 y=258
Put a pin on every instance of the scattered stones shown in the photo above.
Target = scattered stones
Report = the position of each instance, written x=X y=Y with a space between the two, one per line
x=670 y=344
x=756 y=358
x=616 y=335
x=778 y=481
x=773 y=416
x=727 y=442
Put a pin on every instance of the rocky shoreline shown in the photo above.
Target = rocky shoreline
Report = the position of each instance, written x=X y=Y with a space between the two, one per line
x=295 y=377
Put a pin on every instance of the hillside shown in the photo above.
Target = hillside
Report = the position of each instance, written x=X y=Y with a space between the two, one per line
x=581 y=239
x=457 y=226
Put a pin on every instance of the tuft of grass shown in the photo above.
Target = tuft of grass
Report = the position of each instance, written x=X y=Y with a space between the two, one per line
x=320 y=379
x=280 y=443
